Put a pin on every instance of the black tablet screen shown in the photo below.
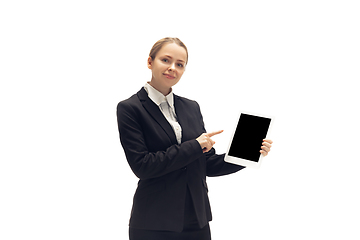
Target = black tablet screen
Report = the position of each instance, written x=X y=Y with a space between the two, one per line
x=248 y=137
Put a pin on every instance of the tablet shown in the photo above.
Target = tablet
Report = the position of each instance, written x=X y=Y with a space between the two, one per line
x=245 y=144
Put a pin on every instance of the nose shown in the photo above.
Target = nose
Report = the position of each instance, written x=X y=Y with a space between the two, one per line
x=172 y=67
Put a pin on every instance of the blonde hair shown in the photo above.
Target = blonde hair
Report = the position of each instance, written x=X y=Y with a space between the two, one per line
x=159 y=44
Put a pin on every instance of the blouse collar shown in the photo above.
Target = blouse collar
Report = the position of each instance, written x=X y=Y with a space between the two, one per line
x=157 y=97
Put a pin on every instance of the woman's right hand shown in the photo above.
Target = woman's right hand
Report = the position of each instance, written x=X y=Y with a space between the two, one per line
x=205 y=140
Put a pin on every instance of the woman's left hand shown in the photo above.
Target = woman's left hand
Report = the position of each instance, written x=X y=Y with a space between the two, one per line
x=266 y=146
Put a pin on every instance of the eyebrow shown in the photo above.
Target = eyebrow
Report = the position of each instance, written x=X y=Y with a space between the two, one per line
x=177 y=60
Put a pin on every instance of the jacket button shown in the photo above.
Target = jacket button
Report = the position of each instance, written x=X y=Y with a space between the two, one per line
x=184 y=168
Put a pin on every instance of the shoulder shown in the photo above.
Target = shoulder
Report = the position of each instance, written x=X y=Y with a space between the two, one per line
x=128 y=102
x=186 y=101
x=130 y=105
x=133 y=101
x=127 y=105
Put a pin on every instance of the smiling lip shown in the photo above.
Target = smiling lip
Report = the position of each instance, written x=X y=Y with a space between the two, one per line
x=169 y=76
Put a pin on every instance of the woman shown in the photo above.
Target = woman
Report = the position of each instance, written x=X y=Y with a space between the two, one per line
x=168 y=149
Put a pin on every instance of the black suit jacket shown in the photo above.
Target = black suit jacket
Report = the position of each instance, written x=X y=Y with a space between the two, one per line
x=164 y=167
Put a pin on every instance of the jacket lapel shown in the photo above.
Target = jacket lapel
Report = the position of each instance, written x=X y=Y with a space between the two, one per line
x=182 y=114
x=155 y=112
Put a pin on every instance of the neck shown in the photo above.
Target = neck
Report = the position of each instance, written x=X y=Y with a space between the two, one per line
x=164 y=90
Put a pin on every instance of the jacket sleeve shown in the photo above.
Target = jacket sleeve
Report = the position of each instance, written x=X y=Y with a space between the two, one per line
x=147 y=164
x=216 y=166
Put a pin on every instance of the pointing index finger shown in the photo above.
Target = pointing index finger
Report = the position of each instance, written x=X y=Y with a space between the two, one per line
x=214 y=133
x=268 y=140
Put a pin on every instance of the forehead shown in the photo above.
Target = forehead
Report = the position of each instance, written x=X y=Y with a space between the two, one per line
x=173 y=50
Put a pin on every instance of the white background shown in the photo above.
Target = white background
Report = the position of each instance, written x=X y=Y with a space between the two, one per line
x=64 y=66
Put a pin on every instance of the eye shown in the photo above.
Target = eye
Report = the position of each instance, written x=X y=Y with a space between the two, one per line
x=165 y=60
x=180 y=65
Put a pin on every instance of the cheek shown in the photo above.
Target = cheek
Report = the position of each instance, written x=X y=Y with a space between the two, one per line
x=160 y=69
x=181 y=73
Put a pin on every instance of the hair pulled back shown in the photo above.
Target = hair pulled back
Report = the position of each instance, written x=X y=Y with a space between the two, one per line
x=159 y=44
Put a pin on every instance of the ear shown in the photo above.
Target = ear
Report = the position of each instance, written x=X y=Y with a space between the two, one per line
x=149 y=62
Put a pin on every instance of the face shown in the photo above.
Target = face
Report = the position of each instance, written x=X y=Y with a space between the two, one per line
x=167 y=67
